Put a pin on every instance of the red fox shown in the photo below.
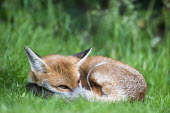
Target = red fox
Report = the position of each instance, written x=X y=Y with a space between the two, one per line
x=95 y=77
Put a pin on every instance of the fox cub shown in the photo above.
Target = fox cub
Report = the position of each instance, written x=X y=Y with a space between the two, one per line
x=94 y=77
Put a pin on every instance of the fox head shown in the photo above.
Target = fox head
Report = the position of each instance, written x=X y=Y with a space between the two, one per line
x=57 y=73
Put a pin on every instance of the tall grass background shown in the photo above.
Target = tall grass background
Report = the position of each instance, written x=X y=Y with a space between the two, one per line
x=126 y=33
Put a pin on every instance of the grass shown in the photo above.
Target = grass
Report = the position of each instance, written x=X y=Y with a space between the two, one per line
x=51 y=30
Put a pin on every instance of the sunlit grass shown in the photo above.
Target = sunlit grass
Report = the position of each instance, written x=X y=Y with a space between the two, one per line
x=51 y=30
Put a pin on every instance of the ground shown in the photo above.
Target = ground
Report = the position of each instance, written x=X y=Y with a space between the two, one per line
x=130 y=38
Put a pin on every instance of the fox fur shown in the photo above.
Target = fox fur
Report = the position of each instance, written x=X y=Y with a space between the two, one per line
x=94 y=77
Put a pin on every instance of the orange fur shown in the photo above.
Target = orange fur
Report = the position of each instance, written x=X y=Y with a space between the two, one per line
x=107 y=78
x=60 y=71
x=113 y=76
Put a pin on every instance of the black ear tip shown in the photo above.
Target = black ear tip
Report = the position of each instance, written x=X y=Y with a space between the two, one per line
x=83 y=53
x=90 y=49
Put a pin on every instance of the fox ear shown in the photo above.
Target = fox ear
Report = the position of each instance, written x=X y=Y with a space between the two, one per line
x=82 y=55
x=35 y=62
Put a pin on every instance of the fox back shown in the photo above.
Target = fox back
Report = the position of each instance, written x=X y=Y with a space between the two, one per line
x=96 y=77
x=112 y=80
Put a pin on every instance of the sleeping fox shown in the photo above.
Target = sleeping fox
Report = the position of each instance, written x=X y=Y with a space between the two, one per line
x=94 y=77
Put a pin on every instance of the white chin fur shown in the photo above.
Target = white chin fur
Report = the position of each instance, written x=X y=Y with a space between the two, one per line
x=83 y=93
x=70 y=96
x=79 y=92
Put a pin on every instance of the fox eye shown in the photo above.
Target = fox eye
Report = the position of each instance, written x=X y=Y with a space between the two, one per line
x=64 y=87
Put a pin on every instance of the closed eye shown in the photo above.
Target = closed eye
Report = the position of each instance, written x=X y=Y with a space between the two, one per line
x=64 y=87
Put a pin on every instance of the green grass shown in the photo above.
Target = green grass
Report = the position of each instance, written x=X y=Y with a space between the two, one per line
x=51 y=30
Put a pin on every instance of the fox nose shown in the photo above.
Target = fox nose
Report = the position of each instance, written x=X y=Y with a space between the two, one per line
x=77 y=85
x=80 y=84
